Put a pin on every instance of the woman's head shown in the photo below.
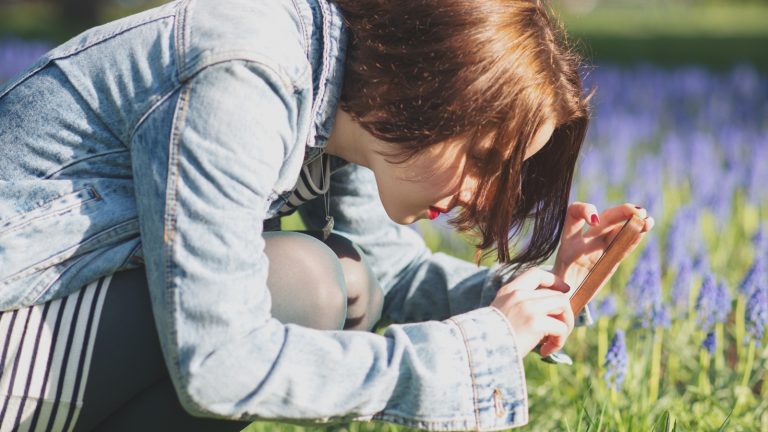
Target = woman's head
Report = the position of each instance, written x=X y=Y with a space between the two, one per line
x=476 y=82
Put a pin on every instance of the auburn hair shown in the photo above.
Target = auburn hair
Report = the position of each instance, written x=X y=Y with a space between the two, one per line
x=419 y=72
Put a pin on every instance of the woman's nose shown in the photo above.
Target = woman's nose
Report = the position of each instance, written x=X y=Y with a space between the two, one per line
x=461 y=198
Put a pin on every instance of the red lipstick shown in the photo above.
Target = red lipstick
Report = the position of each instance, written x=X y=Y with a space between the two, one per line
x=434 y=212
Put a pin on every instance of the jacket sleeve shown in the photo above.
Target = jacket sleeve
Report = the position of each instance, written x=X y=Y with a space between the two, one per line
x=419 y=285
x=205 y=163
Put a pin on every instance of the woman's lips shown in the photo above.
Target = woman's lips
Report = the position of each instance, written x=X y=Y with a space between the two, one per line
x=434 y=212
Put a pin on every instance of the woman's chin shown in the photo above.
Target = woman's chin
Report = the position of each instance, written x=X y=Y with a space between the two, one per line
x=403 y=219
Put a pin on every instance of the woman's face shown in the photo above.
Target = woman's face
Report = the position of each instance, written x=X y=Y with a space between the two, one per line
x=430 y=183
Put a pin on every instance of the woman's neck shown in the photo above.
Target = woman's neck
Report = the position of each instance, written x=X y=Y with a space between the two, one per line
x=350 y=141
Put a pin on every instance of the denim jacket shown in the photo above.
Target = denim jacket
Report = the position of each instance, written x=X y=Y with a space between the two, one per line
x=165 y=139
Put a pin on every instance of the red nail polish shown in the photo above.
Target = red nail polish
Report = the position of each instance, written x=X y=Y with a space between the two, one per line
x=638 y=207
x=595 y=219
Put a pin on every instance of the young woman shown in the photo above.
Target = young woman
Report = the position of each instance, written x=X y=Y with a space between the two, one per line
x=170 y=141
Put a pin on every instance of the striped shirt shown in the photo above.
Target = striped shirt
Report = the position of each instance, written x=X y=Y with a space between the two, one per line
x=314 y=180
x=44 y=359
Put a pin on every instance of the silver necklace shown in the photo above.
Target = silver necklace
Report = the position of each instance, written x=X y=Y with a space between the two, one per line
x=325 y=174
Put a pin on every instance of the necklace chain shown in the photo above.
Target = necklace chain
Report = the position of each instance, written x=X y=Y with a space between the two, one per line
x=325 y=176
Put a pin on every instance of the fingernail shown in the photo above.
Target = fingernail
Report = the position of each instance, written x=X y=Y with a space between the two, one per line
x=638 y=207
x=595 y=219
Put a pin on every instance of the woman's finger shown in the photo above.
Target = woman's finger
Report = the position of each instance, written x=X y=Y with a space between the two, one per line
x=526 y=295
x=550 y=306
x=611 y=236
x=567 y=316
x=614 y=216
x=556 y=333
x=577 y=216
x=649 y=224
x=534 y=278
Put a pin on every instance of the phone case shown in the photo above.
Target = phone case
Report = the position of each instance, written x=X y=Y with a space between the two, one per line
x=604 y=266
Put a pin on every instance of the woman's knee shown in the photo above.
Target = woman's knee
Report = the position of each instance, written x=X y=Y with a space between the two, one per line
x=364 y=294
x=306 y=281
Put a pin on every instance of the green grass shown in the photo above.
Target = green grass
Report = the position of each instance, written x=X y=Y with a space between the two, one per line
x=716 y=36
x=670 y=20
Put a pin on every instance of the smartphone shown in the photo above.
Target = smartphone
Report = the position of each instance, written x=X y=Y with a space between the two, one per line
x=606 y=265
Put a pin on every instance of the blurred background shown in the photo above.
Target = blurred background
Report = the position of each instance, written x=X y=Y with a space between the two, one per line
x=712 y=33
x=680 y=126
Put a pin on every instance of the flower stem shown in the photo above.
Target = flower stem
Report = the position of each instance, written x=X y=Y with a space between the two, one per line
x=719 y=347
x=704 y=371
x=739 y=330
x=653 y=395
x=750 y=362
x=602 y=343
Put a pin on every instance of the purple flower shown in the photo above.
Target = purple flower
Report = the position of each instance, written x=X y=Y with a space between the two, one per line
x=616 y=361
x=756 y=276
x=723 y=302
x=681 y=287
x=679 y=236
x=596 y=195
x=659 y=315
x=674 y=158
x=644 y=288
x=700 y=263
x=606 y=307
x=760 y=240
x=707 y=302
x=709 y=343
x=706 y=169
x=647 y=191
x=757 y=313
x=18 y=54
x=758 y=172
x=722 y=201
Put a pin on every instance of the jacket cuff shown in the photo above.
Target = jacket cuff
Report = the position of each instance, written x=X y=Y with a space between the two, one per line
x=496 y=367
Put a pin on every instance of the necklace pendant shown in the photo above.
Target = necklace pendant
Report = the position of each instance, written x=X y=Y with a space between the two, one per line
x=328 y=227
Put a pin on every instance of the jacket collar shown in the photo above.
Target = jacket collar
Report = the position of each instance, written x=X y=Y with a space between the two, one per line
x=327 y=53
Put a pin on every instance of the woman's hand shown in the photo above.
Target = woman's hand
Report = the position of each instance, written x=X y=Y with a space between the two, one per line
x=579 y=249
x=535 y=314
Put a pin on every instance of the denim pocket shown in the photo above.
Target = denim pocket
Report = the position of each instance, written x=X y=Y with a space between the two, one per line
x=49 y=209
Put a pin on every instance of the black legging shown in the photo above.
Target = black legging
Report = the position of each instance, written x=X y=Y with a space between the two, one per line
x=128 y=387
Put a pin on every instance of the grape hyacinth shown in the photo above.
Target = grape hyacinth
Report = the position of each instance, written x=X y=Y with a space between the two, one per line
x=681 y=286
x=700 y=264
x=723 y=302
x=757 y=313
x=756 y=276
x=712 y=139
x=644 y=288
x=606 y=307
x=17 y=54
x=676 y=242
x=616 y=361
x=710 y=343
x=706 y=303
x=659 y=315
x=760 y=240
